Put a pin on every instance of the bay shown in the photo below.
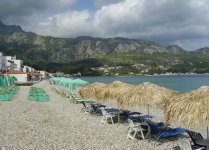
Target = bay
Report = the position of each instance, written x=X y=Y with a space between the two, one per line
x=180 y=83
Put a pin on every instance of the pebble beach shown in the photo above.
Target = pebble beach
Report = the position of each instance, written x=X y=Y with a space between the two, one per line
x=60 y=125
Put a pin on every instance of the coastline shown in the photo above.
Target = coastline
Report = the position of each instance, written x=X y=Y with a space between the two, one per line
x=182 y=83
x=168 y=74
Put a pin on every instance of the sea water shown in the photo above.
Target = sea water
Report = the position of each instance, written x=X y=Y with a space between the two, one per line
x=180 y=83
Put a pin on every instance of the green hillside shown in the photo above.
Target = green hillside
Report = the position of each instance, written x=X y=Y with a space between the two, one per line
x=99 y=56
x=137 y=61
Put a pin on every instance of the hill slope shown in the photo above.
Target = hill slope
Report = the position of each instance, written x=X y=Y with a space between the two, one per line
x=9 y=29
x=83 y=53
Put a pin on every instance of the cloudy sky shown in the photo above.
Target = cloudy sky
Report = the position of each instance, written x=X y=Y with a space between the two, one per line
x=181 y=22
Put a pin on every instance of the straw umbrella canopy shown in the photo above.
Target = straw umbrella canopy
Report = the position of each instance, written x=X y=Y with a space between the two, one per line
x=1 y=81
x=90 y=90
x=146 y=94
x=113 y=90
x=57 y=79
x=189 y=109
x=77 y=82
x=65 y=81
x=62 y=81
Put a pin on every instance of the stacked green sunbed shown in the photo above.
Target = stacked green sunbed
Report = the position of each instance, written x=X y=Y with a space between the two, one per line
x=37 y=94
x=7 y=93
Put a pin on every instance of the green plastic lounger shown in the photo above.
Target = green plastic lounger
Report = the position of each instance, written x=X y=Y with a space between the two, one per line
x=33 y=97
x=43 y=98
x=5 y=97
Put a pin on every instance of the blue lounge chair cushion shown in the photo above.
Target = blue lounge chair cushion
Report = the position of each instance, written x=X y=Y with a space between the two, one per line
x=140 y=118
x=132 y=115
x=111 y=110
x=172 y=132
x=159 y=132
x=146 y=117
x=96 y=108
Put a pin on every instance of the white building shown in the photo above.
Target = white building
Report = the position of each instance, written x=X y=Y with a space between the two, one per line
x=43 y=74
x=13 y=64
x=19 y=75
x=2 y=62
x=28 y=69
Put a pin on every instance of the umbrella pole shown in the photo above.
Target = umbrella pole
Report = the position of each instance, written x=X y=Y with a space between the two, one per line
x=118 y=114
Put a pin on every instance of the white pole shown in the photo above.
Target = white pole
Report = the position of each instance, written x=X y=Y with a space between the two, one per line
x=118 y=111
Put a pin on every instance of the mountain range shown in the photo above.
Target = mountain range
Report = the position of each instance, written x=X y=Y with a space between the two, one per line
x=80 y=54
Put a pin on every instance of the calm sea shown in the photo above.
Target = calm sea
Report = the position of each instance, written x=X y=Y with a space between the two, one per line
x=181 y=83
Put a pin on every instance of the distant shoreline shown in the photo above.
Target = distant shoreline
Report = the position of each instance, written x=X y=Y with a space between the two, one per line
x=152 y=75
x=181 y=74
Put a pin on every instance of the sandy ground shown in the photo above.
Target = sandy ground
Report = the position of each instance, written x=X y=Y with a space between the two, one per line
x=60 y=125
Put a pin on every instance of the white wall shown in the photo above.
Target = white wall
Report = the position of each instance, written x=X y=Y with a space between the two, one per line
x=28 y=69
x=20 y=77
x=43 y=73
x=2 y=62
x=17 y=62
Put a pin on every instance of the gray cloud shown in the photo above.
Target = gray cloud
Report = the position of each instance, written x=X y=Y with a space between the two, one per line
x=192 y=44
x=19 y=11
x=67 y=24
x=100 y=3
x=183 y=22
x=162 y=20
x=21 y=8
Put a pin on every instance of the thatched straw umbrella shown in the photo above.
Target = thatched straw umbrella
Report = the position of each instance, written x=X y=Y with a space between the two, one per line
x=190 y=109
x=90 y=90
x=112 y=91
x=146 y=94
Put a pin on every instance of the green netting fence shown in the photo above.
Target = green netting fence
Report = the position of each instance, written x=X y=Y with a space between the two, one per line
x=7 y=88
